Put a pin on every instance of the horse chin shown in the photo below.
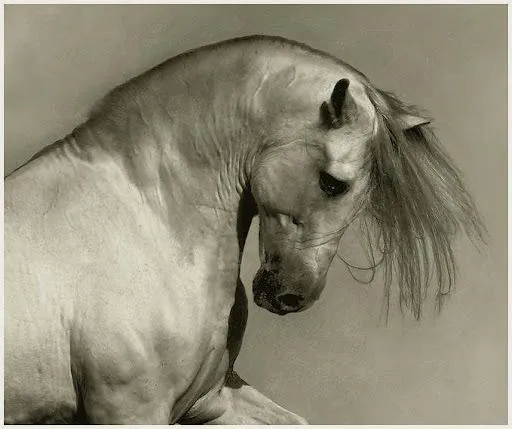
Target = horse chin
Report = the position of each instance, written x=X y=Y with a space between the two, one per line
x=263 y=303
x=271 y=308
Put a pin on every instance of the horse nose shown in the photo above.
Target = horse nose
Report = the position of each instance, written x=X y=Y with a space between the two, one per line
x=290 y=301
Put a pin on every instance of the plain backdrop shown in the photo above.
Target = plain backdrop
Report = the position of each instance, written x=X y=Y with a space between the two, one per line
x=337 y=363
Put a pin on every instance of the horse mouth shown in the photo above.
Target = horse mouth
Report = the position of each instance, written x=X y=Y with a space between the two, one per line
x=261 y=301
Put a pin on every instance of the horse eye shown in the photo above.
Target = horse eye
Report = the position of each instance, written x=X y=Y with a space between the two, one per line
x=332 y=186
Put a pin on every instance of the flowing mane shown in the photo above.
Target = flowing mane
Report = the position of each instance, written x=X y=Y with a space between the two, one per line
x=416 y=203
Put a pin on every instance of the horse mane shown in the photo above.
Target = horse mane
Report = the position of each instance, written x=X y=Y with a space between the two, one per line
x=414 y=205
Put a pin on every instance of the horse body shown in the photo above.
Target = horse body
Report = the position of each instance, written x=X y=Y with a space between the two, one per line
x=84 y=311
x=130 y=285
x=123 y=241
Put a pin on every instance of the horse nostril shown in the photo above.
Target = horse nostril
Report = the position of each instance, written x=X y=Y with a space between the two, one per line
x=290 y=300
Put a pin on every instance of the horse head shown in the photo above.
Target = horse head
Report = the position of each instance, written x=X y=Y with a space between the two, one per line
x=338 y=149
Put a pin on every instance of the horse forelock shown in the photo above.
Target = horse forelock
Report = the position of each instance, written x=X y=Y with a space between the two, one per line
x=415 y=202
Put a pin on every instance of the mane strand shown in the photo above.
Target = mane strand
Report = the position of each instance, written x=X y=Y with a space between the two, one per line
x=417 y=203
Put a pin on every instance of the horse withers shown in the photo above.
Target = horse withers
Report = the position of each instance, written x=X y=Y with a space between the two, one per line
x=123 y=241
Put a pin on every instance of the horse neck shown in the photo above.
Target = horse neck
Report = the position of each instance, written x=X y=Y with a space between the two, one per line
x=188 y=132
x=184 y=142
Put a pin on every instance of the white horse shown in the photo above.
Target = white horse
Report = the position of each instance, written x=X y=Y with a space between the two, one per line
x=123 y=241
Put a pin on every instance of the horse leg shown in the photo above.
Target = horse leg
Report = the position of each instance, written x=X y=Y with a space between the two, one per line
x=248 y=406
x=237 y=403
x=233 y=401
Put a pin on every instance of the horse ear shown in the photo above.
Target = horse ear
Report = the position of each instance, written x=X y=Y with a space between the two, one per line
x=338 y=96
x=332 y=111
x=411 y=121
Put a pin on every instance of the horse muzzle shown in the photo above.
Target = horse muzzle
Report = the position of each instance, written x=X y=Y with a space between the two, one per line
x=270 y=294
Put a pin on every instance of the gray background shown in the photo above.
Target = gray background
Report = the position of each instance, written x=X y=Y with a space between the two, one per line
x=337 y=363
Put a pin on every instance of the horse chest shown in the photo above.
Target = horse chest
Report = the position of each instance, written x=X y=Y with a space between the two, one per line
x=168 y=353
x=203 y=337
x=150 y=317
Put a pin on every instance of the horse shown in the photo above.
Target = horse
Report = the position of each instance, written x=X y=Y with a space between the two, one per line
x=123 y=240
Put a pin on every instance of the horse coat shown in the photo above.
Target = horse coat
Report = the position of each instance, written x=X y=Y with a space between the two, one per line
x=123 y=241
